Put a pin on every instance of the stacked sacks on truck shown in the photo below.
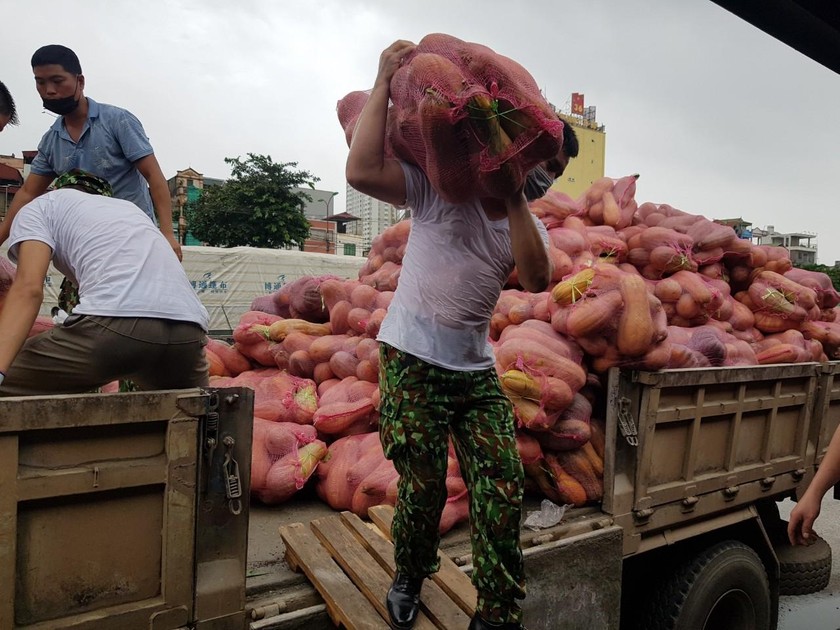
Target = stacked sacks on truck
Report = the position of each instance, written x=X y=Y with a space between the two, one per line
x=725 y=302
x=630 y=304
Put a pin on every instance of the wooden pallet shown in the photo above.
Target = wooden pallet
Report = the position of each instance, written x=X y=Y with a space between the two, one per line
x=351 y=564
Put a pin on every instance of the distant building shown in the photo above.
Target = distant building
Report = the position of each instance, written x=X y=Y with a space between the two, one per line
x=13 y=171
x=11 y=180
x=330 y=233
x=376 y=216
x=186 y=187
x=802 y=246
x=743 y=229
x=13 y=161
x=589 y=165
x=336 y=234
x=320 y=204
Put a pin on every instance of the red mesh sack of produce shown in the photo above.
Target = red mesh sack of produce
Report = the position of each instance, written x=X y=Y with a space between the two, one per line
x=658 y=251
x=215 y=365
x=373 y=489
x=285 y=398
x=610 y=201
x=770 y=258
x=388 y=246
x=789 y=346
x=290 y=472
x=820 y=283
x=234 y=362
x=252 y=339
x=826 y=333
x=472 y=119
x=347 y=408
x=273 y=441
x=302 y=299
x=267 y=304
x=253 y=327
x=351 y=459
x=553 y=208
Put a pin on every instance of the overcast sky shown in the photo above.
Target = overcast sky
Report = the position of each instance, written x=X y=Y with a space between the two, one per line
x=717 y=117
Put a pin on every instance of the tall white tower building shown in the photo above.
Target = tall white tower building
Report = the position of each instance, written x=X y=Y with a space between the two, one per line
x=376 y=215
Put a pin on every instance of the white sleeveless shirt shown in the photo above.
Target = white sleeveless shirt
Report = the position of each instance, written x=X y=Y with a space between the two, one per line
x=455 y=266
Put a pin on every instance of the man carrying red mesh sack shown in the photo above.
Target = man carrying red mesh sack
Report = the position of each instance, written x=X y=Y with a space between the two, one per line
x=437 y=375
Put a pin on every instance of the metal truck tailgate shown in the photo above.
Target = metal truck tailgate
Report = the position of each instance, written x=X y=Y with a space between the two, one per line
x=709 y=440
x=99 y=500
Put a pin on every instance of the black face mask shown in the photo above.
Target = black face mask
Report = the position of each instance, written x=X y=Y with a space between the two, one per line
x=537 y=182
x=63 y=106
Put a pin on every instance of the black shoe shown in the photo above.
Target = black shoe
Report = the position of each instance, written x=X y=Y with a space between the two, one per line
x=478 y=623
x=403 y=601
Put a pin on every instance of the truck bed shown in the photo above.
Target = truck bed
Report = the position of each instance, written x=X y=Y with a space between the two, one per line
x=687 y=452
x=272 y=587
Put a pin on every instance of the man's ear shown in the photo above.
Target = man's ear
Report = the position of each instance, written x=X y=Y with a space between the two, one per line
x=82 y=82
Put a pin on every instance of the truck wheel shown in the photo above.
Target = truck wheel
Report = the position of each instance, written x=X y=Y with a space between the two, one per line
x=803 y=570
x=725 y=587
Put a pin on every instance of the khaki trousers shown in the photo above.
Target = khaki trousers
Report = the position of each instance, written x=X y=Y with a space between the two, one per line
x=88 y=351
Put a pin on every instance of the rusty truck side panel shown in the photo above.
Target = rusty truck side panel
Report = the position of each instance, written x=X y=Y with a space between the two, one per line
x=99 y=497
x=710 y=441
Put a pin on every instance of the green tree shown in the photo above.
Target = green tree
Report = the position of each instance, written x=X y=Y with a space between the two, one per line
x=831 y=272
x=255 y=207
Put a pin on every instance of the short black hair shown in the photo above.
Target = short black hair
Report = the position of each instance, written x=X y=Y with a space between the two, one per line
x=54 y=310
x=59 y=55
x=571 y=147
x=7 y=104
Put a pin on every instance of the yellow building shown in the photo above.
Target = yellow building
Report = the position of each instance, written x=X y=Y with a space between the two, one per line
x=589 y=164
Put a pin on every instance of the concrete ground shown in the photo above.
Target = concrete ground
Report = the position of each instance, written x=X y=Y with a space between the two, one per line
x=818 y=611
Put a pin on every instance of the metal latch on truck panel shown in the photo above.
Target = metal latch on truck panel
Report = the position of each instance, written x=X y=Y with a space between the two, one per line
x=625 y=422
x=233 y=484
x=211 y=429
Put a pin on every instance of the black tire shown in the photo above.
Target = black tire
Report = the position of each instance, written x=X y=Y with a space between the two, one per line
x=724 y=587
x=803 y=570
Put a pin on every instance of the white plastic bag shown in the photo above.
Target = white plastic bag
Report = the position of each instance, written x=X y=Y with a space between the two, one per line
x=549 y=515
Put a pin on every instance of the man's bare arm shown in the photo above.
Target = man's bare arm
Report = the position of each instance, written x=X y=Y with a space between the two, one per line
x=23 y=300
x=529 y=252
x=159 y=190
x=368 y=170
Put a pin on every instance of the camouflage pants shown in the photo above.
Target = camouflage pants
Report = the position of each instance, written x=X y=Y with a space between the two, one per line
x=422 y=405
x=68 y=296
